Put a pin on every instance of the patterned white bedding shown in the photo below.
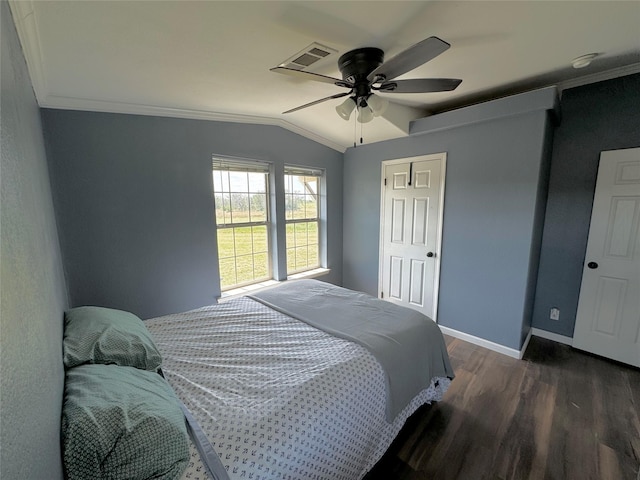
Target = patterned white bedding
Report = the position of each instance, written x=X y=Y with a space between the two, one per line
x=277 y=398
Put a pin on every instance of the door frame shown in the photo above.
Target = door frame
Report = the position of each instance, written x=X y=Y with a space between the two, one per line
x=442 y=157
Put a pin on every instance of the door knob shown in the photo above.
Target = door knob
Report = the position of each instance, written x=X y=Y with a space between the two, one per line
x=431 y=254
x=592 y=265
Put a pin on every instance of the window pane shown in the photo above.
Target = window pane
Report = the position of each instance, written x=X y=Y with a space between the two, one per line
x=258 y=207
x=261 y=266
x=219 y=209
x=310 y=206
x=302 y=246
x=257 y=182
x=223 y=209
x=297 y=184
x=217 y=181
x=239 y=207
x=225 y=243
x=244 y=268
x=298 y=206
x=301 y=234
x=260 y=239
x=227 y=272
x=311 y=185
x=291 y=239
x=288 y=205
x=301 y=257
x=239 y=182
x=288 y=183
x=312 y=232
x=291 y=260
x=313 y=257
x=243 y=241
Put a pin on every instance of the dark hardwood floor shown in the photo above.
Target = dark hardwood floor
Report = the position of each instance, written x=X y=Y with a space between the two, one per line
x=557 y=414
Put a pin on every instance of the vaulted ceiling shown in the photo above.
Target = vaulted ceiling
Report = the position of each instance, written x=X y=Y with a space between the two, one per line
x=211 y=59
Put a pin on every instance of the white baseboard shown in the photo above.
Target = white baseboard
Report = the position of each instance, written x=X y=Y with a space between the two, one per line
x=525 y=345
x=552 y=336
x=496 y=347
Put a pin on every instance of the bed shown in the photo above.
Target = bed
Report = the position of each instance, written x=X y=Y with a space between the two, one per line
x=278 y=396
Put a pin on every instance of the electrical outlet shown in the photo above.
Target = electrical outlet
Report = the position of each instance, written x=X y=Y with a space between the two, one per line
x=555 y=314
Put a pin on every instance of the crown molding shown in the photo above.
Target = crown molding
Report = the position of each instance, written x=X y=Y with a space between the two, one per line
x=24 y=18
x=599 y=77
x=71 y=103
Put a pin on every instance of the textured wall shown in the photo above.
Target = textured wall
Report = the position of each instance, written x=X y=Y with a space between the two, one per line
x=494 y=202
x=33 y=294
x=597 y=117
x=134 y=202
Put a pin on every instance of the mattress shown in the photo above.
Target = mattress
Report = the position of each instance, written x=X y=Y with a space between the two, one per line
x=277 y=398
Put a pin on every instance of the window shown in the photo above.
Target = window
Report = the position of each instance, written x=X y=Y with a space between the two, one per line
x=242 y=218
x=301 y=190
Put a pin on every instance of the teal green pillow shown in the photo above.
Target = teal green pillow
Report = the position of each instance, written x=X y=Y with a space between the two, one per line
x=121 y=423
x=108 y=336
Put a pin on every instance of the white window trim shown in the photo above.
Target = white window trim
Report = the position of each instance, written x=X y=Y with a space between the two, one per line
x=238 y=164
x=320 y=218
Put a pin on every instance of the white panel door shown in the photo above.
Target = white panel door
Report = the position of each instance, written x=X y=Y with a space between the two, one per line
x=608 y=318
x=410 y=232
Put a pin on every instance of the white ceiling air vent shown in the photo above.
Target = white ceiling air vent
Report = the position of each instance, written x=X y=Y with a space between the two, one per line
x=307 y=57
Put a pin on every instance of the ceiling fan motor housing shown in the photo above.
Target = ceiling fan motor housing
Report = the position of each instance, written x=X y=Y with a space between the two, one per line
x=356 y=65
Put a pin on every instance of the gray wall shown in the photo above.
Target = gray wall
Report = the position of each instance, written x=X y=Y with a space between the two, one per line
x=134 y=203
x=597 y=117
x=33 y=294
x=493 y=210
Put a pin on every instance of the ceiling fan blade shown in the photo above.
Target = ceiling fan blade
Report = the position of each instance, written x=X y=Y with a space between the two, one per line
x=420 y=85
x=337 y=95
x=410 y=58
x=292 y=72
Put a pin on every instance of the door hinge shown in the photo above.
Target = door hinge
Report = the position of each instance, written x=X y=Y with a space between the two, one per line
x=385 y=182
x=381 y=294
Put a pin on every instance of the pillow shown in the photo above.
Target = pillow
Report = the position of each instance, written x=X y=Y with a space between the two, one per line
x=104 y=335
x=121 y=423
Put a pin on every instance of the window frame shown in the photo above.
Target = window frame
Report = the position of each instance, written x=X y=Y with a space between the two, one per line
x=233 y=164
x=292 y=170
x=276 y=222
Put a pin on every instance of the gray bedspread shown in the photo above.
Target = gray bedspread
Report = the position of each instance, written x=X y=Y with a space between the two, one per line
x=408 y=345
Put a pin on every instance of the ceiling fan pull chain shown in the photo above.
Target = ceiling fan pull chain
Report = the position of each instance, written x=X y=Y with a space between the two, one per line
x=355 y=131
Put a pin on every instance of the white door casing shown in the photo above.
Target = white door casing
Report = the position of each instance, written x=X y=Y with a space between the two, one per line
x=608 y=317
x=411 y=231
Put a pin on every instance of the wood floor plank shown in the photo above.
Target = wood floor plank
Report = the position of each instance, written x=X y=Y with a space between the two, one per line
x=558 y=414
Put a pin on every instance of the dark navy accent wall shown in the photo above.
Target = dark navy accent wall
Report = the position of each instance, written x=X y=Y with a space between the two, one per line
x=33 y=291
x=596 y=117
x=494 y=204
x=134 y=202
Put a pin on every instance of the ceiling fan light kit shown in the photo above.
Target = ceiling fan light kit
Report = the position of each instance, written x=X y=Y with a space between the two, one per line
x=364 y=70
x=377 y=104
x=373 y=106
x=345 y=108
x=365 y=114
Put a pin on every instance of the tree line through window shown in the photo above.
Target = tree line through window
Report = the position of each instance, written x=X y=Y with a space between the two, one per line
x=241 y=196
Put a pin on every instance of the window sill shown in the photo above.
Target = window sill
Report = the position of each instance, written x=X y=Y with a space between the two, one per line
x=242 y=291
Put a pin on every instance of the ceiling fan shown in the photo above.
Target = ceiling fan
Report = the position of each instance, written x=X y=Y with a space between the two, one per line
x=364 y=71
